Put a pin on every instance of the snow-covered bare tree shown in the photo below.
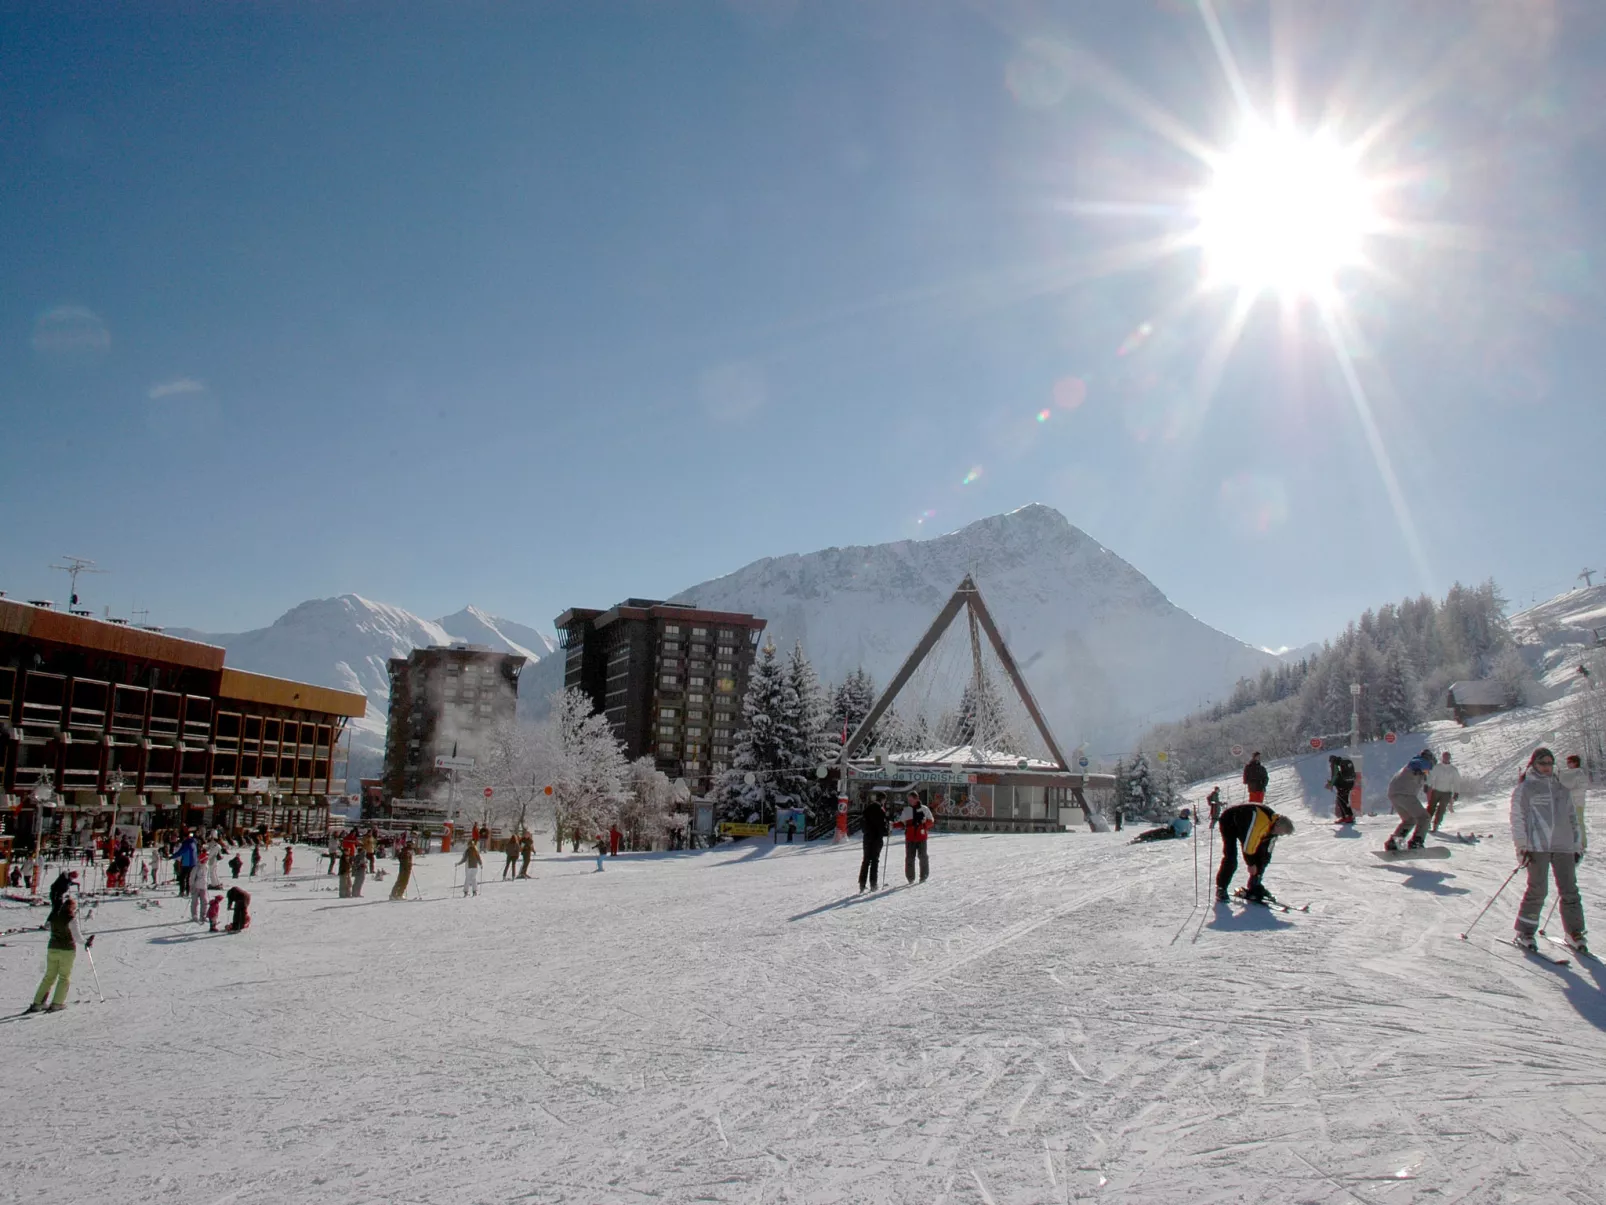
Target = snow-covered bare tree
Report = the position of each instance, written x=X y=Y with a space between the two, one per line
x=508 y=763
x=579 y=756
x=644 y=814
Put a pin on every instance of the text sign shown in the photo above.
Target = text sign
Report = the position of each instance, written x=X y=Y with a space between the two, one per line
x=454 y=763
x=732 y=829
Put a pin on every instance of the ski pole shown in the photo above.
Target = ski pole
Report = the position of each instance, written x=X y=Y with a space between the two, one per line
x=95 y=973
x=1492 y=899
x=1551 y=915
x=1196 y=865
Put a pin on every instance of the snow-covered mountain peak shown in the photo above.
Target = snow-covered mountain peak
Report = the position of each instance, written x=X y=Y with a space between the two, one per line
x=474 y=626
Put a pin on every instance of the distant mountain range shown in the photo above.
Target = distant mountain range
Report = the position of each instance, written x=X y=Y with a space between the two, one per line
x=1105 y=652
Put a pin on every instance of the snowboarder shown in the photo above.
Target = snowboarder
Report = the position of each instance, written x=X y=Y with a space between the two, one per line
x=1403 y=788
x=1444 y=788
x=198 y=889
x=526 y=849
x=915 y=820
x=1181 y=826
x=239 y=909
x=470 y=862
x=512 y=851
x=1256 y=827
x=1544 y=828
x=1341 y=781
x=404 y=871
x=359 y=872
x=60 y=952
x=875 y=836
x=1256 y=777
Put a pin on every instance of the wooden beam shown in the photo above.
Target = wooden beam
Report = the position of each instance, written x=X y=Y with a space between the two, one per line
x=978 y=608
x=906 y=671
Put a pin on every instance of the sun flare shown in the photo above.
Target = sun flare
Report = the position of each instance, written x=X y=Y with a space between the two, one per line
x=1285 y=212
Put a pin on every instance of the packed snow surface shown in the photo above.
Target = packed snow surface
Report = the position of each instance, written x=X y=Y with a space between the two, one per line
x=1050 y=1018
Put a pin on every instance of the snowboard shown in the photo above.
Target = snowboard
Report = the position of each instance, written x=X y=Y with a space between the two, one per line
x=1427 y=851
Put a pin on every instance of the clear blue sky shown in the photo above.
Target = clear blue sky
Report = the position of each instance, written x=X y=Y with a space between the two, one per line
x=546 y=304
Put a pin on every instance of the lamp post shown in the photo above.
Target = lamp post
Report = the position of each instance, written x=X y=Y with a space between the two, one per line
x=1355 y=741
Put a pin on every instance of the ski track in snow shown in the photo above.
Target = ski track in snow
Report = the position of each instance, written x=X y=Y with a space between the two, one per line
x=1050 y=1019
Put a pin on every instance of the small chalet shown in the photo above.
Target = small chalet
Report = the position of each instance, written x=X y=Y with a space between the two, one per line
x=1469 y=700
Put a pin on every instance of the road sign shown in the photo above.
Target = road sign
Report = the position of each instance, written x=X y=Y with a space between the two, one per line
x=1083 y=762
x=546 y=790
x=1237 y=750
x=454 y=763
x=1315 y=742
x=489 y=792
x=1390 y=737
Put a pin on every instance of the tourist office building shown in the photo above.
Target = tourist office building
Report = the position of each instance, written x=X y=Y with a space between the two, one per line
x=669 y=677
x=103 y=723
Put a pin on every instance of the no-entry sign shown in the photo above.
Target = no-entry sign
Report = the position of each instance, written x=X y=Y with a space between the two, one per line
x=489 y=792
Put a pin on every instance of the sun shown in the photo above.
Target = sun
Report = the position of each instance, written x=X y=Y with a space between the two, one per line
x=1285 y=212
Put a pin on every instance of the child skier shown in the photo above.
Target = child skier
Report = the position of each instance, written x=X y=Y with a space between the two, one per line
x=213 y=907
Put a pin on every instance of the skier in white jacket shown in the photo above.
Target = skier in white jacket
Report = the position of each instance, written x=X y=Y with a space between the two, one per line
x=1575 y=778
x=1544 y=828
x=1444 y=788
x=198 y=888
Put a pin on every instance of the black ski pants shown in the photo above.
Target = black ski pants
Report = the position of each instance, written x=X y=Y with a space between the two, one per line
x=913 y=851
x=1234 y=828
x=870 y=864
x=1341 y=804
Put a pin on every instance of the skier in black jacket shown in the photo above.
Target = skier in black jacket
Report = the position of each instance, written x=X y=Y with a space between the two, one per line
x=1341 y=778
x=875 y=835
x=1256 y=827
x=1256 y=777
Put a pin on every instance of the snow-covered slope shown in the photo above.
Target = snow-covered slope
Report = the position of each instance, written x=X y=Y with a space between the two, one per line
x=1561 y=632
x=473 y=626
x=1105 y=652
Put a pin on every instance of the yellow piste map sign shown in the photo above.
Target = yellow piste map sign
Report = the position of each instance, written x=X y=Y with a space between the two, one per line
x=729 y=829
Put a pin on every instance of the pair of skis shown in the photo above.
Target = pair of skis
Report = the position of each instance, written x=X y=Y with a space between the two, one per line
x=1268 y=901
x=1540 y=950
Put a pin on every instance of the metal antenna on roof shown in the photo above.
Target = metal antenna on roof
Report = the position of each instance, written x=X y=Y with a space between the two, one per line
x=74 y=566
x=1589 y=577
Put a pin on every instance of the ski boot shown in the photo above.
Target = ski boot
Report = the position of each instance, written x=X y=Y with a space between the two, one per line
x=1524 y=941
x=1221 y=895
x=1392 y=845
x=1577 y=945
x=1416 y=843
x=56 y=1008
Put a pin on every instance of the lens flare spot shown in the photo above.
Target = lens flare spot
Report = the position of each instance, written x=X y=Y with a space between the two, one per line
x=1043 y=415
x=972 y=476
x=1253 y=504
x=1070 y=392
x=924 y=516
x=1136 y=339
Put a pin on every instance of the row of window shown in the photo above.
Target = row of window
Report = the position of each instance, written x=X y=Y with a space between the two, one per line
x=673 y=629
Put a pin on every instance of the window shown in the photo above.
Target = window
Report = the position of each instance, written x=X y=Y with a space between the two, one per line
x=666 y=750
x=726 y=634
x=694 y=715
x=669 y=680
x=699 y=632
x=725 y=667
x=721 y=732
x=696 y=681
x=485 y=709
x=671 y=646
x=726 y=686
x=692 y=731
x=694 y=699
x=666 y=713
x=721 y=750
x=666 y=730
x=723 y=717
x=725 y=650
x=671 y=629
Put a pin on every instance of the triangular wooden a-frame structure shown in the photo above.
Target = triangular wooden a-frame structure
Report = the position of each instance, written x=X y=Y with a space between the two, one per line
x=967 y=595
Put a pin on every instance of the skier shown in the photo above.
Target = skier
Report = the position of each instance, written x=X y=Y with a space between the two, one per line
x=1214 y=800
x=198 y=889
x=370 y=849
x=213 y=907
x=239 y=909
x=526 y=849
x=359 y=872
x=186 y=863
x=1341 y=781
x=60 y=952
x=602 y=849
x=1576 y=780
x=256 y=858
x=289 y=856
x=1403 y=788
x=1544 y=828
x=1255 y=778
x=404 y=871
x=1444 y=788
x=1181 y=826
x=915 y=820
x=1256 y=827
x=64 y=882
x=875 y=836
x=470 y=862
x=512 y=851
x=214 y=871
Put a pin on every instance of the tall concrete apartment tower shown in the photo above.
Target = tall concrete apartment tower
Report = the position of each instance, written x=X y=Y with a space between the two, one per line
x=444 y=699
x=669 y=676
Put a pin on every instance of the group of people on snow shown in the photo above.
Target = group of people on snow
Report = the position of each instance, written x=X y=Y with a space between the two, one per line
x=916 y=820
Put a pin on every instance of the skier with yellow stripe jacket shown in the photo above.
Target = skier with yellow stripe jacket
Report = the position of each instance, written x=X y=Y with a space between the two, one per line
x=1256 y=827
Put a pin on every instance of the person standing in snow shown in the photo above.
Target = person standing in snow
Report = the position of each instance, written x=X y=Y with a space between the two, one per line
x=1575 y=778
x=64 y=882
x=915 y=820
x=235 y=865
x=198 y=889
x=1341 y=781
x=214 y=871
x=602 y=850
x=875 y=836
x=1544 y=828
x=289 y=857
x=1256 y=776
x=333 y=852
x=1444 y=788
x=256 y=858
x=404 y=871
x=1255 y=827
x=526 y=849
x=344 y=861
x=60 y=953
x=509 y=868
x=1214 y=800
x=370 y=849
x=359 y=872
x=470 y=862
x=1403 y=798
x=186 y=863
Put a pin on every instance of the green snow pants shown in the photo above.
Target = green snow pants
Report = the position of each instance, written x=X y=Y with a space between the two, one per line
x=58 y=970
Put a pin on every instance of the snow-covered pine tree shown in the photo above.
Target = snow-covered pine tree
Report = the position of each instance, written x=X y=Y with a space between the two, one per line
x=1395 y=699
x=850 y=703
x=814 y=744
x=982 y=720
x=765 y=746
x=1140 y=789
